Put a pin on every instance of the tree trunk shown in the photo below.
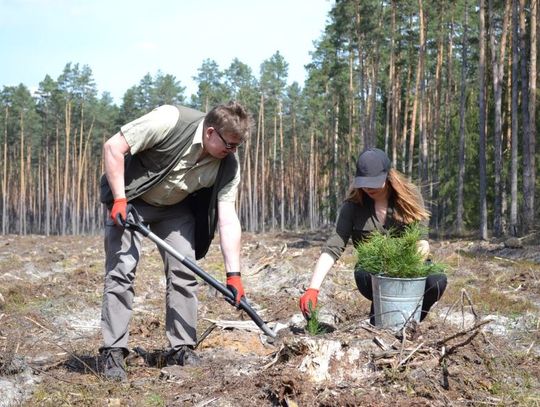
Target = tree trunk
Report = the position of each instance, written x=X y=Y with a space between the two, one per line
x=396 y=112
x=497 y=65
x=256 y=175
x=528 y=215
x=391 y=86
x=281 y=170
x=66 y=166
x=77 y=158
x=22 y=181
x=462 y=99
x=515 y=95
x=249 y=186
x=351 y=144
x=5 y=221
x=335 y=148
x=434 y=171
x=361 y=80
x=482 y=122
x=29 y=181
x=528 y=144
x=296 y=168
x=405 y=121
x=423 y=167
x=273 y=181
x=507 y=139
x=263 y=166
x=57 y=187
x=413 y=116
x=311 y=172
x=449 y=158
x=46 y=171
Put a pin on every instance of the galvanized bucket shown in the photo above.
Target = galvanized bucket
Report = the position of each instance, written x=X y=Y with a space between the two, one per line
x=396 y=300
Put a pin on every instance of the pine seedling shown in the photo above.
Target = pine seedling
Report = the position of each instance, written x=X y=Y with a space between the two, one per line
x=313 y=325
x=395 y=256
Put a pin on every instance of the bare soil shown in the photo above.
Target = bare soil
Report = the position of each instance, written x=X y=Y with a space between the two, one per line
x=480 y=345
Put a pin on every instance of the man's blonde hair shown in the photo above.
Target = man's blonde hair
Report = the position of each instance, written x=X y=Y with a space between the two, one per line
x=230 y=118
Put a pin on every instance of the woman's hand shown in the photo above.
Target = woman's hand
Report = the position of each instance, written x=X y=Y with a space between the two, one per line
x=423 y=248
x=308 y=302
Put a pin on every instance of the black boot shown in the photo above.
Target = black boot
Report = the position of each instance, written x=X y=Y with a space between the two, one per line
x=114 y=367
x=183 y=356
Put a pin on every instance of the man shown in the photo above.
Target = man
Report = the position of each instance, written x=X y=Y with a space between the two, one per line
x=179 y=170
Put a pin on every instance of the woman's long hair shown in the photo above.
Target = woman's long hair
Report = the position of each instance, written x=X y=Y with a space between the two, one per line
x=409 y=206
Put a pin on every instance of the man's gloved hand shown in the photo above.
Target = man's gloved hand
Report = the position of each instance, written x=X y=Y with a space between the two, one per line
x=119 y=212
x=234 y=283
x=308 y=301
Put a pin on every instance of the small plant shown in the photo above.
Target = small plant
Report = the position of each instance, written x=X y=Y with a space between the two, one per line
x=396 y=256
x=314 y=327
x=154 y=400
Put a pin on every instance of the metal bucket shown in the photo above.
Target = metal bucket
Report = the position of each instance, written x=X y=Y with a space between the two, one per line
x=396 y=300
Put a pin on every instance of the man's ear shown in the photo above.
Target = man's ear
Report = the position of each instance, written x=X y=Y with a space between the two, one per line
x=206 y=135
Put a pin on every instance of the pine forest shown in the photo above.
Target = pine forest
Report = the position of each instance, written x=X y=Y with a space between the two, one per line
x=447 y=88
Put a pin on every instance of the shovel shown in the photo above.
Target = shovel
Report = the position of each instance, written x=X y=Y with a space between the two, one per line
x=136 y=224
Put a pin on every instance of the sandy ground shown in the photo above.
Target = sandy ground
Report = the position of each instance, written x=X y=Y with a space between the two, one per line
x=480 y=344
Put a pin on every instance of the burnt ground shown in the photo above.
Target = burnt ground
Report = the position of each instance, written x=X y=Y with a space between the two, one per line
x=480 y=345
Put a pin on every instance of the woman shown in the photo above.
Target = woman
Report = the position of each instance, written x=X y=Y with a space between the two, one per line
x=380 y=198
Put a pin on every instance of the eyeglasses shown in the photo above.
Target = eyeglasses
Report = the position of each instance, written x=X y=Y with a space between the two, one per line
x=228 y=145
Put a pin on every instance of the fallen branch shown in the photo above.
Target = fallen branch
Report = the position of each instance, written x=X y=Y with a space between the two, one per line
x=464 y=332
x=249 y=326
x=381 y=343
x=263 y=263
x=530 y=347
x=367 y=328
x=38 y=324
x=402 y=347
x=394 y=353
x=50 y=366
x=464 y=295
x=38 y=370
x=73 y=355
x=275 y=359
x=402 y=362
x=206 y=402
x=205 y=334
x=465 y=342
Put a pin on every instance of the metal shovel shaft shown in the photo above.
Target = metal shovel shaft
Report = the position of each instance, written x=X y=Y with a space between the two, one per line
x=204 y=275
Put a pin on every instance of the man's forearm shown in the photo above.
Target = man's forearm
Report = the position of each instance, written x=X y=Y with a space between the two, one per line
x=113 y=156
x=230 y=235
x=230 y=240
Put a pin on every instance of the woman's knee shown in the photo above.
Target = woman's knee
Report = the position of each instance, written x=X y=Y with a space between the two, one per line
x=436 y=285
x=363 y=283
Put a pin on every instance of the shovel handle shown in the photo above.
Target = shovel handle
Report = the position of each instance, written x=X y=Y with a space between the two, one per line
x=136 y=224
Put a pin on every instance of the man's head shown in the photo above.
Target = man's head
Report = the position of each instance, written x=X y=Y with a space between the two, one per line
x=225 y=127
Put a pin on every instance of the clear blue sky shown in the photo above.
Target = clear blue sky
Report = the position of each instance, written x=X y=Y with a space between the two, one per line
x=122 y=40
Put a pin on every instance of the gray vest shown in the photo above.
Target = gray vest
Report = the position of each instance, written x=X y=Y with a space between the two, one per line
x=149 y=167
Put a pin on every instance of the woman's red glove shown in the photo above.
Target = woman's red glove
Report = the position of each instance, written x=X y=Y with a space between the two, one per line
x=308 y=301
x=118 y=211
x=234 y=283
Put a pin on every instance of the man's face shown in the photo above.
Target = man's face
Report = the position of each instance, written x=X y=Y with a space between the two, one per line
x=218 y=145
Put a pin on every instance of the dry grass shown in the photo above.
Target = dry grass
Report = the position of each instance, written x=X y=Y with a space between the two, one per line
x=490 y=369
